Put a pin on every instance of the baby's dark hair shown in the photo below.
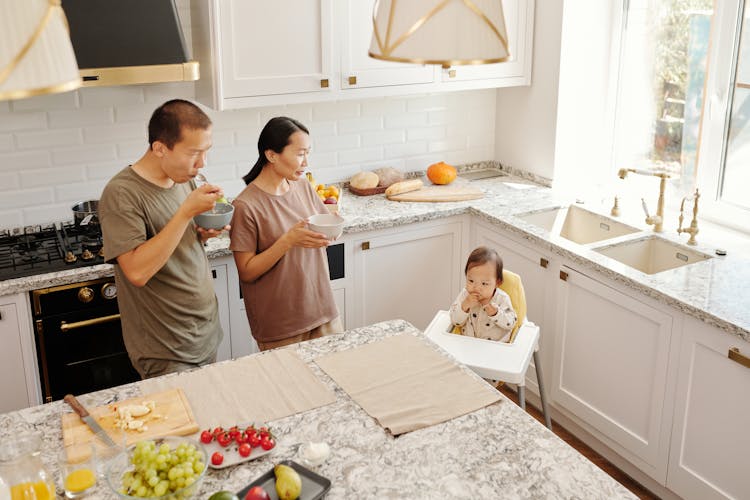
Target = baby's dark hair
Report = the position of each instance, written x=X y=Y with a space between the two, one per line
x=483 y=255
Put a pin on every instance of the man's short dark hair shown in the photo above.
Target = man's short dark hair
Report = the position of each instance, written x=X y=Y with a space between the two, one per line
x=170 y=118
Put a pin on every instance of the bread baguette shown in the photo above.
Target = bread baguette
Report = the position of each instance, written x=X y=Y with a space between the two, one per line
x=404 y=187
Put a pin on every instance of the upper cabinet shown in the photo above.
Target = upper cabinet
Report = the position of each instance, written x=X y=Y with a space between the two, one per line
x=284 y=52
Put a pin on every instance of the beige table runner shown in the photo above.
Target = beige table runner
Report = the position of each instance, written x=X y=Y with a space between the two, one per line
x=253 y=389
x=405 y=384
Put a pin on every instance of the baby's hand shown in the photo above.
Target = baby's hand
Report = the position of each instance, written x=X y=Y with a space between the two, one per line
x=470 y=301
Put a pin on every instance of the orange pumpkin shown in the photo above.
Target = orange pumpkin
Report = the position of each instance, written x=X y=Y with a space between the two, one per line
x=441 y=173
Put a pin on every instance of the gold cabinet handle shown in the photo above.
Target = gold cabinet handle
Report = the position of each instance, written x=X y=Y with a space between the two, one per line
x=366 y=245
x=352 y=80
x=563 y=276
x=452 y=73
x=88 y=322
x=735 y=355
x=324 y=83
x=543 y=262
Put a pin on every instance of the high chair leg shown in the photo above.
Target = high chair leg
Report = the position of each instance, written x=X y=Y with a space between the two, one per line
x=522 y=397
x=542 y=394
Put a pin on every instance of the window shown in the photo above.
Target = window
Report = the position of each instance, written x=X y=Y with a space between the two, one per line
x=683 y=103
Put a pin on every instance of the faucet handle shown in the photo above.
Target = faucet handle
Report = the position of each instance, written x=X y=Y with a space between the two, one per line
x=650 y=219
x=645 y=207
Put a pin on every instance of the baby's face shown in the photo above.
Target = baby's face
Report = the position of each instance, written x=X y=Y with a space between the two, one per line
x=481 y=281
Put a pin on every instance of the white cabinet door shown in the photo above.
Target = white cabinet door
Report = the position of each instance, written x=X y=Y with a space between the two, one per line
x=711 y=438
x=279 y=47
x=534 y=269
x=408 y=272
x=519 y=21
x=243 y=342
x=14 y=394
x=339 y=295
x=358 y=69
x=612 y=368
x=219 y=273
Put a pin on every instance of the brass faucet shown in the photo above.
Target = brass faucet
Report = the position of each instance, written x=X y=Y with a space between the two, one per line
x=693 y=229
x=656 y=220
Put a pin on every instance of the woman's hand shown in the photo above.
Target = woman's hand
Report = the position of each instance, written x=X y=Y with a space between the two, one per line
x=300 y=236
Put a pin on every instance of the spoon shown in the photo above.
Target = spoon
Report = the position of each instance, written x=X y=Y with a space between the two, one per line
x=202 y=178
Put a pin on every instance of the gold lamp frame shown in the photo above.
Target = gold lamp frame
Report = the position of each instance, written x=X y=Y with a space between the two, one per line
x=387 y=43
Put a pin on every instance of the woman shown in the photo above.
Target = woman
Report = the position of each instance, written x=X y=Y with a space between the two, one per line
x=282 y=265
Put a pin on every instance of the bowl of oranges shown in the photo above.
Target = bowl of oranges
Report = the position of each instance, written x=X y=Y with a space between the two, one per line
x=330 y=194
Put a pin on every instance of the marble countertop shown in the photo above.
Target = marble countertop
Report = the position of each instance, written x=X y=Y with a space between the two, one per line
x=497 y=451
x=713 y=290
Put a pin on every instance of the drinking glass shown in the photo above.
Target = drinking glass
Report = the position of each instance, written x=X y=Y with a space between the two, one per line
x=77 y=465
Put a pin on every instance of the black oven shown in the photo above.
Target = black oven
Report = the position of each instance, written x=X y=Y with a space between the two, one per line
x=79 y=339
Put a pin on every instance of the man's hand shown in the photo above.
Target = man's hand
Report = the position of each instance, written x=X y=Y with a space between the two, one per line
x=206 y=234
x=202 y=199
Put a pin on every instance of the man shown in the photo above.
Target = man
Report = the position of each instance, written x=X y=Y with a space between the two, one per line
x=168 y=308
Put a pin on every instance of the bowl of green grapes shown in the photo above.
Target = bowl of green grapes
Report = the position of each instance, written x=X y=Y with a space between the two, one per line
x=170 y=468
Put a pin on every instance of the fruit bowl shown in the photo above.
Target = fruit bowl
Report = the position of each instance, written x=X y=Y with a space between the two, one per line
x=220 y=216
x=332 y=225
x=138 y=463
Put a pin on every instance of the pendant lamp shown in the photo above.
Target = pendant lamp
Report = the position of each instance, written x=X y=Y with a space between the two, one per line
x=445 y=32
x=36 y=55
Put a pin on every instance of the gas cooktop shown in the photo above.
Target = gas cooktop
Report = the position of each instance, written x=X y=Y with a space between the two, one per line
x=41 y=249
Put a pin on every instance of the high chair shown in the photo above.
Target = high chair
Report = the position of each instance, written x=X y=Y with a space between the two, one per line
x=497 y=360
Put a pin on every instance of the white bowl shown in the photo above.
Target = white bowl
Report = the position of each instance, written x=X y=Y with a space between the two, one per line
x=332 y=225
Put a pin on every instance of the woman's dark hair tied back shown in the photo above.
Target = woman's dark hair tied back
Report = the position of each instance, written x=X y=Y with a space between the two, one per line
x=274 y=136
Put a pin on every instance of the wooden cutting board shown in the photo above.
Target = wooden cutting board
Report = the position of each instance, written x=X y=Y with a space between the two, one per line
x=171 y=416
x=441 y=193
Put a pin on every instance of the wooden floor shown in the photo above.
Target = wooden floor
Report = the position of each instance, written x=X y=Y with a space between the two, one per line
x=576 y=443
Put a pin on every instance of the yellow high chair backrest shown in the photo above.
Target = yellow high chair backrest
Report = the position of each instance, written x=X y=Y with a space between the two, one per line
x=514 y=288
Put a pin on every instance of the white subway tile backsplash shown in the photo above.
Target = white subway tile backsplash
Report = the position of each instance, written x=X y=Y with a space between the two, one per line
x=84 y=154
x=14 y=122
x=111 y=133
x=48 y=138
x=51 y=177
x=6 y=142
x=383 y=137
x=16 y=162
x=63 y=148
x=66 y=100
x=335 y=142
x=95 y=97
x=80 y=117
x=335 y=110
x=9 y=181
x=408 y=149
x=360 y=155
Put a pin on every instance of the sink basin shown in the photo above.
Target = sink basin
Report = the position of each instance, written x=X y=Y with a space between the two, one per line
x=652 y=255
x=578 y=225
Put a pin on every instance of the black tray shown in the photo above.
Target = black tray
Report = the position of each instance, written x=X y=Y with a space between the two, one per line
x=314 y=486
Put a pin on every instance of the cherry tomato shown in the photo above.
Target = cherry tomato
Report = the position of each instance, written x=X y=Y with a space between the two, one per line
x=217 y=458
x=264 y=431
x=234 y=431
x=206 y=437
x=241 y=438
x=224 y=439
x=250 y=428
x=217 y=431
x=245 y=449
x=254 y=439
x=267 y=443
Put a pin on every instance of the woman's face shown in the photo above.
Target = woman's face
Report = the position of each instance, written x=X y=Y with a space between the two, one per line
x=291 y=162
x=481 y=281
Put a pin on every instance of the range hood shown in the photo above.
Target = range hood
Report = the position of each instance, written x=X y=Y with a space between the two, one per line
x=125 y=42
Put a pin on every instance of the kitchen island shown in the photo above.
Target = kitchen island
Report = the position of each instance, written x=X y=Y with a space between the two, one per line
x=495 y=452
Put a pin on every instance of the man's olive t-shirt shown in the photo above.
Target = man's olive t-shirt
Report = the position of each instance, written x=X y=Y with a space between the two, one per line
x=175 y=315
x=295 y=295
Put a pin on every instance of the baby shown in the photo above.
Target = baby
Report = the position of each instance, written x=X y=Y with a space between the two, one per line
x=482 y=309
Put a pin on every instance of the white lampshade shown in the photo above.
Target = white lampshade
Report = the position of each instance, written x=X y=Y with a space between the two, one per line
x=36 y=55
x=445 y=32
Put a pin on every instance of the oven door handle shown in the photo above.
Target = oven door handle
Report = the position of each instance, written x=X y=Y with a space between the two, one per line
x=80 y=324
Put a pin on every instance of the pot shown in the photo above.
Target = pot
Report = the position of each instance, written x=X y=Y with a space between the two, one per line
x=85 y=213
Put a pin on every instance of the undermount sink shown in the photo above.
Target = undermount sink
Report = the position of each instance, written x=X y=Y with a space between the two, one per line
x=578 y=225
x=652 y=255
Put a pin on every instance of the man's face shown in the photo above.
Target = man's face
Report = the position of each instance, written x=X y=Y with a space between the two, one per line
x=187 y=157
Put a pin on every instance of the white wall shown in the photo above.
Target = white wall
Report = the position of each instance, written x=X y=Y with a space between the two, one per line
x=59 y=149
x=526 y=116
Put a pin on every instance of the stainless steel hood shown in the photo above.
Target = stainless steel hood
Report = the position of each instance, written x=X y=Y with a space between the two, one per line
x=124 y=42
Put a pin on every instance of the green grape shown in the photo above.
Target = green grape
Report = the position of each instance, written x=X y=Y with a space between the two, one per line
x=159 y=470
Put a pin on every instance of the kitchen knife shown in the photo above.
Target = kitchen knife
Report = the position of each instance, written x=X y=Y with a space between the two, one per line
x=89 y=420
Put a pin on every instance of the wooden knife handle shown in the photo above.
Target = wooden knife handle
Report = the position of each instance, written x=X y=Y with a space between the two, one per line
x=77 y=407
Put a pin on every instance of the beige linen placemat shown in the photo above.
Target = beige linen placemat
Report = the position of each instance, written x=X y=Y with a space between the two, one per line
x=405 y=384
x=253 y=389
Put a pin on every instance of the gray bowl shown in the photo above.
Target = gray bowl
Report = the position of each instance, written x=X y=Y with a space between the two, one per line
x=217 y=218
